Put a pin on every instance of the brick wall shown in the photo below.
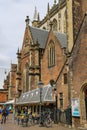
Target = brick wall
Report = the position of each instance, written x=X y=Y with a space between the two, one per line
x=3 y=97
x=79 y=67
x=49 y=73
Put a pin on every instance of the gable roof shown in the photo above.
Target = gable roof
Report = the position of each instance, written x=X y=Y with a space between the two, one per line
x=39 y=34
x=62 y=38
x=42 y=35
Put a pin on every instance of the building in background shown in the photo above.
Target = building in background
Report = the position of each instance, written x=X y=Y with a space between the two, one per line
x=3 y=97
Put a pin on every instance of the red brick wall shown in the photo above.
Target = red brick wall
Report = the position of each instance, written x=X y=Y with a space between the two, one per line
x=53 y=72
x=79 y=59
x=80 y=7
x=63 y=88
x=2 y=97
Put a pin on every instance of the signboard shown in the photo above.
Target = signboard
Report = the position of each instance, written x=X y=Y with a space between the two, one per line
x=75 y=107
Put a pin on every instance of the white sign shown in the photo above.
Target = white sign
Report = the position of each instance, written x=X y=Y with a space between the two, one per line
x=75 y=107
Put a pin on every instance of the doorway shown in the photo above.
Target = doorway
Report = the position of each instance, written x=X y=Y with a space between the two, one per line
x=86 y=102
x=83 y=104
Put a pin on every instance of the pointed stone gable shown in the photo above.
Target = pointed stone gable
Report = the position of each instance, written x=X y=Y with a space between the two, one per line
x=27 y=37
x=26 y=41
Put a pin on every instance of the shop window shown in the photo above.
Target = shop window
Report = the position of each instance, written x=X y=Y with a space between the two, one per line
x=34 y=108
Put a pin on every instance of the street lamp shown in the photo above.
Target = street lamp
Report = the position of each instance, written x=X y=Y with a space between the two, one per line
x=53 y=84
x=40 y=84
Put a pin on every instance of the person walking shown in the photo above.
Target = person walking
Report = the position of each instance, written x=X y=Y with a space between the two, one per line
x=4 y=114
x=0 y=113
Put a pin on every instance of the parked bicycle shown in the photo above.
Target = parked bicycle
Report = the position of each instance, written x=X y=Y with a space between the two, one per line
x=46 y=119
x=27 y=120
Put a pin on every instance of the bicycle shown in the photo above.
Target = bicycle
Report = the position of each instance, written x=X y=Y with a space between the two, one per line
x=46 y=119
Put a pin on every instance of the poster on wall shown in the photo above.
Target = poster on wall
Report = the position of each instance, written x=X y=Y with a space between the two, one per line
x=75 y=107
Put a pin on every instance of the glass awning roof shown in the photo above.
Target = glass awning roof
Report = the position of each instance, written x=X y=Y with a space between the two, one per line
x=33 y=96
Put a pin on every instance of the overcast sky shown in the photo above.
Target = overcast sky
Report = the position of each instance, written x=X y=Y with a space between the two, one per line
x=12 y=25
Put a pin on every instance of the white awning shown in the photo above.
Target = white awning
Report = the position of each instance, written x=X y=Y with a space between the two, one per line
x=9 y=102
x=1 y=103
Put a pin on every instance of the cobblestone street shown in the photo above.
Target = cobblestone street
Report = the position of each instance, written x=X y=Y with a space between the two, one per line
x=11 y=125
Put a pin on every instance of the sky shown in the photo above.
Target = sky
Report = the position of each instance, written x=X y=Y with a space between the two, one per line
x=12 y=26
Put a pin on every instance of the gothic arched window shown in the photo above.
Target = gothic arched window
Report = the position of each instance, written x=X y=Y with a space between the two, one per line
x=26 y=78
x=51 y=54
x=54 y=25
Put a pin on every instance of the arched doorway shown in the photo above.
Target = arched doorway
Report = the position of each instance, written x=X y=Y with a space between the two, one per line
x=85 y=94
x=83 y=104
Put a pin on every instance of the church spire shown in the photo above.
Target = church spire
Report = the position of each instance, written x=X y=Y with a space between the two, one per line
x=48 y=16
x=48 y=8
x=36 y=18
x=35 y=14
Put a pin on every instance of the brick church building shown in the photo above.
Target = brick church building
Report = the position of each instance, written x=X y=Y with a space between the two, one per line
x=54 y=49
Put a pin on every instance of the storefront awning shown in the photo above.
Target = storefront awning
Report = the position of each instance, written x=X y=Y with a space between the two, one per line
x=34 y=96
x=9 y=102
x=2 y=103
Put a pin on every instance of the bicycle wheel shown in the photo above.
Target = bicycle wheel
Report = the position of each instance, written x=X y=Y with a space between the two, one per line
x=48 y=123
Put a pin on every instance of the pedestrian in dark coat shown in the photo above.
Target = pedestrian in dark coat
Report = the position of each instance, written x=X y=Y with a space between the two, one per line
x=4 y=114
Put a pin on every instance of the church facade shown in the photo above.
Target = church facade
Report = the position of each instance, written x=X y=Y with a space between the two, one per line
x=55 y=49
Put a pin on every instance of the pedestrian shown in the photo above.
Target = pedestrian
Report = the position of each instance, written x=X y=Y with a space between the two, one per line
x=4 y=114
x=8 y=112
x=0 y=113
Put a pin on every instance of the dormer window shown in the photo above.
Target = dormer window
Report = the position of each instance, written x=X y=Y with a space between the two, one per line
x=51 y=54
